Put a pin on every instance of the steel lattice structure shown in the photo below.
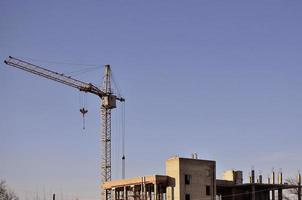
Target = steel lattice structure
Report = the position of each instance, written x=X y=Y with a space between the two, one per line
x=108 y=102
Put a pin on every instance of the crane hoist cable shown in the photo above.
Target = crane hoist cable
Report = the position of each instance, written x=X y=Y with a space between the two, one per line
x=123 y=157
x=122 y=128
x=123 y=141
x=118 y=90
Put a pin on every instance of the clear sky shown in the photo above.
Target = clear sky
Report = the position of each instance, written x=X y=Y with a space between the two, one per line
x=220 y=78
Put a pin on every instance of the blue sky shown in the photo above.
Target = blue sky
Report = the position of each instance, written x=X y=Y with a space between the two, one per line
x=220 y=78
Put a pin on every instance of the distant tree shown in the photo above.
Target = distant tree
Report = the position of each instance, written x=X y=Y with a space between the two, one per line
x=5 y=193
x=291 y=194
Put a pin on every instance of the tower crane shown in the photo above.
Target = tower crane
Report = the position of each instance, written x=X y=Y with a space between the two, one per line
x=108 y=102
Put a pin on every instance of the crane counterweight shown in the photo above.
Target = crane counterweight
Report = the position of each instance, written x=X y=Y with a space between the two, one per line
x=109 y=101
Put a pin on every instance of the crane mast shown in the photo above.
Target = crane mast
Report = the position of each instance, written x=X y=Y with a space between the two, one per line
x=108 y=102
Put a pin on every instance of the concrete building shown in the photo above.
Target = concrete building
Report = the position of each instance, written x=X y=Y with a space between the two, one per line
x=233 y=188
x=146 y=187
x=195 y=179
x=185 y=179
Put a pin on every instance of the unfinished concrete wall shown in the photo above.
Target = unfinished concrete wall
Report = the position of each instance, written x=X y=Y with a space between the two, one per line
x=235 y=176
x=194 y=179
x=173 y=170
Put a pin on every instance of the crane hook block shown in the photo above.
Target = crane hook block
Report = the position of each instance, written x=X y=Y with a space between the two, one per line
x=83 y=111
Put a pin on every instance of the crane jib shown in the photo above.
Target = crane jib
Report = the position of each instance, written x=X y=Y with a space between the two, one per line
x=59 y=77
x=55 y=76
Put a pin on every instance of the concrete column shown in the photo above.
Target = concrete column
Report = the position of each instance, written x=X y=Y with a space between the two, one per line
x=299 y=186
x=280 y=178
x=253 y=193
x=155 y=192
x=159 y=193
x=267 y=195
x=133 y=192
x=253 y=176
x=150 y=192
x=233 y=194
x=260 y=179
x=145 y=191
x=105 y=194
x=136 y=194
x=280 y=197
x=113 y=195
x=273 y=181
x=273 y=194
x=125 y=194
x=142 y=189
x=172 y=193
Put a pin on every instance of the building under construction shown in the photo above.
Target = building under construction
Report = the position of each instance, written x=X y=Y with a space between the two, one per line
x=195 y=179
x=185 y=178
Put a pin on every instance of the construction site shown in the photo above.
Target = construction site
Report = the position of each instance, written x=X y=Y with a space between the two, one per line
x=192 y=179
x=185 y=178
x=211 y=107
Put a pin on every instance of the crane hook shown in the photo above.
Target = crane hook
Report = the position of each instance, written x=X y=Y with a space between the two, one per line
x=83 y=111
